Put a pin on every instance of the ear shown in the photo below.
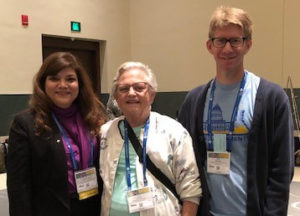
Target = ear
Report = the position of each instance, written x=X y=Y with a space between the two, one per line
x=152 y=96
x=209 y=46
x=248 y=45
x=115 y=95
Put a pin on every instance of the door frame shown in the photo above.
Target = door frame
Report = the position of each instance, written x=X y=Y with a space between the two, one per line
x=65 y=43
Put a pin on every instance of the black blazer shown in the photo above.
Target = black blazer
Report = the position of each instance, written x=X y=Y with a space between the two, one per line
x=37 y=179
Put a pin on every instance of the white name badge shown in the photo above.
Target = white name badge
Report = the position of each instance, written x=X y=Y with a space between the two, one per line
x=86 y=183
x=218 y=162
x=140 y=200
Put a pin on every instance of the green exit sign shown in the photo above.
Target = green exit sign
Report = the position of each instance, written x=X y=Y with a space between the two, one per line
x=75 y=26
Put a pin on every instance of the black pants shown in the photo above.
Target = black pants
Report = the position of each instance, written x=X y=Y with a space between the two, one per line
x=86 y=207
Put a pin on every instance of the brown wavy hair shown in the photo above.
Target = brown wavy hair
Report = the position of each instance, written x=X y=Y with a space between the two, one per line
x=91 y=109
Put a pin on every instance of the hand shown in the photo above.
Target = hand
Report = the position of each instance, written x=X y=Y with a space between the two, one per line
x=189 y=208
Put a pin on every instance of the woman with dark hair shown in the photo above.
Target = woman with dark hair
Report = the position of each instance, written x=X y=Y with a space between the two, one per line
x=54 y=145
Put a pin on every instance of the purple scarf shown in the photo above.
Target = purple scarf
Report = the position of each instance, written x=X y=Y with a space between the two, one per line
x=79 y=139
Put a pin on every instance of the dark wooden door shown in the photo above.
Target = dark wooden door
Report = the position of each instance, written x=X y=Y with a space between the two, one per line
x=88 y=52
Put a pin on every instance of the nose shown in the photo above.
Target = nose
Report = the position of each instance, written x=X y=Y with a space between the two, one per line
x=62 y=83
x=227 y=47
x=131 y=91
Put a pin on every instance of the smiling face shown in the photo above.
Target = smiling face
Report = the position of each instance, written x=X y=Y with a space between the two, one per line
x=229 y=59
x=134 y=96
x=62 y=88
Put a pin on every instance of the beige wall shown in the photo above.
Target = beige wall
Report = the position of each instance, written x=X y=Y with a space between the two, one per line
x=168 y=35
x=21 y=48
x=291 y=36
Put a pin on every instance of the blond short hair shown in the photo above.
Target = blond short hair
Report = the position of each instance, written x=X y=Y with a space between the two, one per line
x=224 y=16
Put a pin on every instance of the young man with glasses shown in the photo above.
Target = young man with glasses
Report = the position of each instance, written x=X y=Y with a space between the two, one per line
x=241 y=126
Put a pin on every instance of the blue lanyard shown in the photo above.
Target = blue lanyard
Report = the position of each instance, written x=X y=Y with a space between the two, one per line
x=146 y=128
x=65 y=138
x=233 y=115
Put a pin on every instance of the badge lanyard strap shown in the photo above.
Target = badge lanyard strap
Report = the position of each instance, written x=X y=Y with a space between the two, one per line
x=233 y=115
x=146 y=128
x=65 y=138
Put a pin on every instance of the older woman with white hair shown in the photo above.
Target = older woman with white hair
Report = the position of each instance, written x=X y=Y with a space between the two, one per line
x=147 y=162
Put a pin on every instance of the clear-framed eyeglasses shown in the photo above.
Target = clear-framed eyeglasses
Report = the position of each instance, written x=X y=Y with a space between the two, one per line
x=219 y=42
x=137 y=87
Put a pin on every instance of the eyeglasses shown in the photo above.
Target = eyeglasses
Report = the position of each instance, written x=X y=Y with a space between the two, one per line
x=137 y=87
x=234 y=42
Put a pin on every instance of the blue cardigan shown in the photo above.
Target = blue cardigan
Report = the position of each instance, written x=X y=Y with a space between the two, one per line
x=270 y=155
